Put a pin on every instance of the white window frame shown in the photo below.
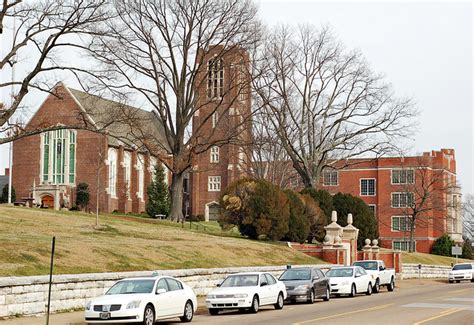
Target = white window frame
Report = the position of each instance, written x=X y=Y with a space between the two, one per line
x=127 y=164
x=215 y=78
x=112 y=160
x=368 y=179
x=214 y=183
x=407 y=223
x=375 y=208
x=214 y=154
x=406 y=176
x=406 y=243
x=399 y=199
x=331 y=173
x=141 y=177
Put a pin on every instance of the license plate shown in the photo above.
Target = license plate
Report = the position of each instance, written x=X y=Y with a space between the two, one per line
x=104 y=315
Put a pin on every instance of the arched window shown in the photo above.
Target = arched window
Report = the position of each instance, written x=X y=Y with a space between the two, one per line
x=141 y=176
x=215 y=78
x=58 y=157
x=127 y=164
x=112 y=158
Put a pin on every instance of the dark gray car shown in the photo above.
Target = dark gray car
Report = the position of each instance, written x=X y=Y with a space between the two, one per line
x=306 y=284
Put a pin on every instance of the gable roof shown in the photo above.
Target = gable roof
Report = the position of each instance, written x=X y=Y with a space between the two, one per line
x=126 y=125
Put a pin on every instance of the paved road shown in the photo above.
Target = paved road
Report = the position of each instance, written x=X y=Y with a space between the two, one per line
x=429 y=303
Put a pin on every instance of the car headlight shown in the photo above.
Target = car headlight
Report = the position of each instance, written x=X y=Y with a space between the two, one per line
x=302 y=287
x=88 y=305
x=240 y=295
x=211 y=296
x=133 y=304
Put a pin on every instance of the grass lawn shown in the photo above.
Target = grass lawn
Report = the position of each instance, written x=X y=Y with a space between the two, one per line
x=124 y=243
x=420 y=258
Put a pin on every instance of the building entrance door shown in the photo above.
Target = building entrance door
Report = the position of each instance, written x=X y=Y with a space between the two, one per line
x=47 y=201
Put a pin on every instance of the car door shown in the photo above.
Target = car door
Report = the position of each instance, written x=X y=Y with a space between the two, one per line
x=177 y=296
x=162 y=300
x=274 y=290
x=320 y=283
x=360 y=280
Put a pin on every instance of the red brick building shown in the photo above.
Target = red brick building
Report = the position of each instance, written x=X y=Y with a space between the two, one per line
x=48 y=166
x=393 y=186
x=224 y=109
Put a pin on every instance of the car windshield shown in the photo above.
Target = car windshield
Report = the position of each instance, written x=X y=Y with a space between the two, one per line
x=340 y=273
x=131 y=286
x=367 y=265
x=293 y=275
x=462 y=267
x=242 y=280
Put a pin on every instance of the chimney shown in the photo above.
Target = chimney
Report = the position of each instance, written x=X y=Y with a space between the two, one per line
x=7 y=171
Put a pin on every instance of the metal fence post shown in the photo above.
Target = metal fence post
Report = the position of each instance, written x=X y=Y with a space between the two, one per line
x=50 y=279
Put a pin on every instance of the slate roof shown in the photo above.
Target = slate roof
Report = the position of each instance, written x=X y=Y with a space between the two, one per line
x=125 y=124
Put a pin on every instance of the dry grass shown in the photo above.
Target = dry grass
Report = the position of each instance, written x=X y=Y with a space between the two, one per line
x=122 y=243
x=420 y=258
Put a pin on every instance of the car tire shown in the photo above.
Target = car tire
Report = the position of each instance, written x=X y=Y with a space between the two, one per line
x=376 y=288
x=188 y=312
x=149 y=315
x=472 y=280
x=369 y=289
x=353 y=291
x=311 y=297
x=451 y=281
x=327 y=296
x=458 y=281
x=279 y=304
x=255 y=305
x=213 y=311
x=391 y=285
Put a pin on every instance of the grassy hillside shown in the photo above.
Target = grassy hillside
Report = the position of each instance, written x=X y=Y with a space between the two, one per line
x=420 y=258
x=123 y=243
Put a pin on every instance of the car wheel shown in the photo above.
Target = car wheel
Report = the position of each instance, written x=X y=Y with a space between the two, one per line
x=213 y=311
x=369 y=289
x=377 y=286
x=311 y=297
x=458 y=281
x=279 y=303
x=149 y=315
x=327 y=296
x=451 y=281
x=188 y=312
x=391 y=285
x=353 y=290
x=255 y=305
x=472 y=280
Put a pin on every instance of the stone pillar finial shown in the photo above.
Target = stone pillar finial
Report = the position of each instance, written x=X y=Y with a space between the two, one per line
x=334 y=216
x=349 y=219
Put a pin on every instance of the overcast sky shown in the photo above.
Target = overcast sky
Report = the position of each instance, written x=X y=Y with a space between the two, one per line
x=425 y=51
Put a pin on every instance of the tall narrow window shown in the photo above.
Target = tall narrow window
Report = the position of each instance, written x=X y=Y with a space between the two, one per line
x=242 y=87
x=46 y=156
x=112 y=158
x=214 y=119
x=72 y=157
x=215 y=154
x=215 y=78
x=141 y=176
x=127 y=164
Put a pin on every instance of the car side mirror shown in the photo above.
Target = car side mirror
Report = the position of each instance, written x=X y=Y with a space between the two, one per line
x=315 y=278
x=381 y=268
x=357 y=275
x=218 y=285
x=160 y=291
x=263 y=284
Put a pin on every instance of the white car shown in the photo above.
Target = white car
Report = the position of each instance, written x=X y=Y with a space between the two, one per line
x=143 y=300
x=247 y=291
x=349 y=280
x=459 y=272
x=381 y=276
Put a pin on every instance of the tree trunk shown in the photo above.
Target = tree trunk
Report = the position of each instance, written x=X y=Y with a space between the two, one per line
x=97 y=200
x=411 y=249
x=176 y=213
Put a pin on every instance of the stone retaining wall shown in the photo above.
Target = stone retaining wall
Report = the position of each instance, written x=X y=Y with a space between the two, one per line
x=410 y=271
x=28 y=295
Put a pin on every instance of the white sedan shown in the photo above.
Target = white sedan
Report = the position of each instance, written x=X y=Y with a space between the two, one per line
x=143 y=300
x=463 y=271
x=349 y=280
x=247 y=291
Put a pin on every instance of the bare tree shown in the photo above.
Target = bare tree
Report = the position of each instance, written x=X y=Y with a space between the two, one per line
x=32 y=36
x=468 y=216
x=168 y=56
x=324 y=103
x=427 y=197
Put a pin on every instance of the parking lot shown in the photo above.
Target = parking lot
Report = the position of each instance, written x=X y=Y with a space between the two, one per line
x=431 y=302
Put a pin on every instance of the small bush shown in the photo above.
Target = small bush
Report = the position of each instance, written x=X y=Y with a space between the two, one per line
x=442 y=246
x=158 y=194
x=4 y=196
x=82 y=195
x=467 y=249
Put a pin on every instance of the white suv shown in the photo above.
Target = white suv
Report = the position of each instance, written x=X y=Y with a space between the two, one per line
x=459 y=272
